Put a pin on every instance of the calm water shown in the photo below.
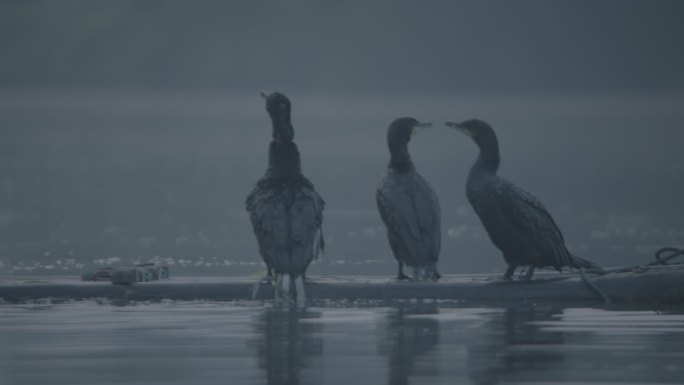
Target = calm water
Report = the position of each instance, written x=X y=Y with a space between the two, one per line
x=337 y=343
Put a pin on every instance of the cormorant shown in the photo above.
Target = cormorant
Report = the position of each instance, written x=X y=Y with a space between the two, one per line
x=285 y=210
x=516 y=221
x=409 y=207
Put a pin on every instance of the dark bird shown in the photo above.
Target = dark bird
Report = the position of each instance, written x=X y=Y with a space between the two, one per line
x=516 y=221
x=409 y=207
x=285 y=210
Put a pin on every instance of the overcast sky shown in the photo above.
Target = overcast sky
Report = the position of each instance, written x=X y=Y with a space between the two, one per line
x=358 y=46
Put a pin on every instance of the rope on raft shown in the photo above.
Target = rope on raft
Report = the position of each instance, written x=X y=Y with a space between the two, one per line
x=675 y=252
x=592 y=286
x=659 y=260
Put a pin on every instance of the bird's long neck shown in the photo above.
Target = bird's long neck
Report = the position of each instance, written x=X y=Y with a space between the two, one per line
x=283 y=159
x=488 y=160
x=400 y=160
x=282 y=127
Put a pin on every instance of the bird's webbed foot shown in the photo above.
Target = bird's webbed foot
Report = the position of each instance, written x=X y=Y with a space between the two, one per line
x=267 y=279
x=508 y=275
x=401 y=277
x=527 y=275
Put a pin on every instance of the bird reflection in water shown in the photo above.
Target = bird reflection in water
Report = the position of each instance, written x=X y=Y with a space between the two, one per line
x=510 y=343
x=285 y=346
x=408 y=334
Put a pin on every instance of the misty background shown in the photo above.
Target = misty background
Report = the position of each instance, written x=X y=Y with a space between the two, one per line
x=133 y=131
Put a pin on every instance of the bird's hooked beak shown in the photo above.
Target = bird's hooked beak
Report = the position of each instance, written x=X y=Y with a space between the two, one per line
x=264 y=94
x=420 y=127
x=460 y=127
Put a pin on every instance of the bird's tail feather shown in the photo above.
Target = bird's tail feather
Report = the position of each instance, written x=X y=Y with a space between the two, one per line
x=301 y=294
x=581 y=263
x=290 y=290
x=319 y=245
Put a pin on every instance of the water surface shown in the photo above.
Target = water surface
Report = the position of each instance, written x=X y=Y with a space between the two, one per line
x=336 y=343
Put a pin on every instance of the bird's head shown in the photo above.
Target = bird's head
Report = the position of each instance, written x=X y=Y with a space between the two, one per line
x=278 y=107
x=478 y=130
x=401 y=130
x=277 y=104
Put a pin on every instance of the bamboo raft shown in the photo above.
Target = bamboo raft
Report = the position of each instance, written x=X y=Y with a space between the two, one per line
x=655 y=284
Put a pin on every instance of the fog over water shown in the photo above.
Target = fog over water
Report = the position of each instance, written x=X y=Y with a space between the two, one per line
x=133 y=131
x=98 y=176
